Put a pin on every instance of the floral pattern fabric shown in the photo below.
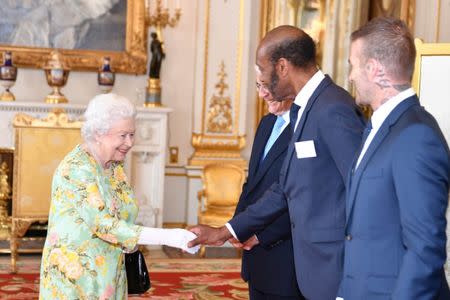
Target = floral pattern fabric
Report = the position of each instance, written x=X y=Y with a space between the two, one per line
x=91 y=222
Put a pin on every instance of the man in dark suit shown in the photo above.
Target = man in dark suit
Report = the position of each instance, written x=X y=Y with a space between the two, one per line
x=269 y=267
x=395 y=245
x=327 y=133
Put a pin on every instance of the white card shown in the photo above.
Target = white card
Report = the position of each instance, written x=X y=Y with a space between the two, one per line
x=305 y=149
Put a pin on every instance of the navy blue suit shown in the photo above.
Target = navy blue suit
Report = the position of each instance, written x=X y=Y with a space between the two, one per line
x=268 y=267
x=313 y=190
x=396 y=211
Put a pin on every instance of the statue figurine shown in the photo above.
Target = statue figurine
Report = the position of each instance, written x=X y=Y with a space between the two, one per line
x=157 y=56
x=5 y=189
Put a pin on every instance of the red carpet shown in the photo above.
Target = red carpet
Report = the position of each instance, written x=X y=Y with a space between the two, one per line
x=171 y=279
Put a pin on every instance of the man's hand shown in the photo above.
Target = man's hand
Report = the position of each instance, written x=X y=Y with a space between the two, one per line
x=207 y=235
x=235 y=243
x=250 y=243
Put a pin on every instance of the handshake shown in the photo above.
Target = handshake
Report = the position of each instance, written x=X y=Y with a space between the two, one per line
x=206 y=235
x=190 y=240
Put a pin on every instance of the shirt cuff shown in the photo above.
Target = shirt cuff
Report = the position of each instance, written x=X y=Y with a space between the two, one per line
x=230 y=229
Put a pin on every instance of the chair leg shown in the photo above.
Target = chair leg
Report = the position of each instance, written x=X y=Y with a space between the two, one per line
x=13 y=248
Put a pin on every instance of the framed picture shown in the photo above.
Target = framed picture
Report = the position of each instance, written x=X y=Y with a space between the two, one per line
x=83 y=31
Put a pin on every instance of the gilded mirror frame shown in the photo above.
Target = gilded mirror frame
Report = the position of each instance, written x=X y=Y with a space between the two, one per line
x=132 y=60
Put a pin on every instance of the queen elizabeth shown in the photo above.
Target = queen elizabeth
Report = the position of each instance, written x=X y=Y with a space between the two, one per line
x=93 y=211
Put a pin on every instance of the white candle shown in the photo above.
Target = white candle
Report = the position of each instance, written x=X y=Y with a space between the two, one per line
x=166 y=4
x=178 y=4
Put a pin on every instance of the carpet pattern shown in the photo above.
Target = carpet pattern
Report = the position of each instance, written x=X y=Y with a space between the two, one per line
x=171 y=279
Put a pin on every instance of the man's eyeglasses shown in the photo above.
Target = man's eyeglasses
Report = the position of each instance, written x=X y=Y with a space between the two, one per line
x=261 y=87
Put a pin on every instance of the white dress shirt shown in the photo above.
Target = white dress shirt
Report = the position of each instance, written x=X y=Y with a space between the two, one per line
x=301 y=100
x=380 y=115
x=306 y=92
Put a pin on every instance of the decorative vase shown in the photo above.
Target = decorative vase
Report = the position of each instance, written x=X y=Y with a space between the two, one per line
x=56 y=73
x=106 y=76
x=8 y=76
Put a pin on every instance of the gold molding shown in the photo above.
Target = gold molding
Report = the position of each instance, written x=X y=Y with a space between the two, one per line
x=266 y=16
x=237 y=98
x=438 y=22
x=209 y=149
x=55 y=118
x=175 y=174
x=174 y=225
x=426 y=49
x=219 y=145
x=220 y=111
x=132 y=60
x=205 y=64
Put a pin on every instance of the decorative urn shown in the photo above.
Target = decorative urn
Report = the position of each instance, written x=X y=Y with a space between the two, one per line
x=56 y=73
x=8 y=76
x=106 y=76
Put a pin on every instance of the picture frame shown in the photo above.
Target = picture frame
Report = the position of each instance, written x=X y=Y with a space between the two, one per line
x=132 y=60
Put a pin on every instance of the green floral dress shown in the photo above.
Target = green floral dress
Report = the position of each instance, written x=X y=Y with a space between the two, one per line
x=91 y=222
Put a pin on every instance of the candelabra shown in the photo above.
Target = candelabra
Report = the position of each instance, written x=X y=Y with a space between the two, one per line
x=159 y=18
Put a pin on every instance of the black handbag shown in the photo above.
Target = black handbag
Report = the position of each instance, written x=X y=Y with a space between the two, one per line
x=137 y=273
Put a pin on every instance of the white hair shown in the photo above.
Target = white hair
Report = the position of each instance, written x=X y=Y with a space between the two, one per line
x=102 y=112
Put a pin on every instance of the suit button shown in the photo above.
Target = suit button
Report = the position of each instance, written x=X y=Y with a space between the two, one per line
x=348 y=237
x=293 y=225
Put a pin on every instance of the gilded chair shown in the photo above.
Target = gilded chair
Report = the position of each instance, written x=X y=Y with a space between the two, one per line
x=40 y=144
x=222 y=185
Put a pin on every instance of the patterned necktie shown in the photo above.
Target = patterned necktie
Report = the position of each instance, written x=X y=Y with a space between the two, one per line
x=276 y=130
x=293 y=115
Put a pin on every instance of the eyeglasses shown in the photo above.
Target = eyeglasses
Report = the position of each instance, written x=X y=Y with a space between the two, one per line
x=261 y=87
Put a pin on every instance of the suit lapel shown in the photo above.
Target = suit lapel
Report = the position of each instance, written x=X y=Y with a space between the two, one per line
x=277 y=149
x=355 y=178
x=260 y=143
x=298 y=131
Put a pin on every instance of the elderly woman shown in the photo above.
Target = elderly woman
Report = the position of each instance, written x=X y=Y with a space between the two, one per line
x=93 y=209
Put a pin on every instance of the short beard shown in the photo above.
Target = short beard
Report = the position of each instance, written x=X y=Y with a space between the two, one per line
x=274 y=80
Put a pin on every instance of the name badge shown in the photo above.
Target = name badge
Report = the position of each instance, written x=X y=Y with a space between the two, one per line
x=305 y=149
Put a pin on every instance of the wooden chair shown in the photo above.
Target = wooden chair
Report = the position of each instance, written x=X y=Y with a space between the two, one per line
x=40 y=145
x=222 y=186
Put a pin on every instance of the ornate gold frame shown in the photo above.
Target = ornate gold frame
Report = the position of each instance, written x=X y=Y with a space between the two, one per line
x=132 y=60
x=426 y=49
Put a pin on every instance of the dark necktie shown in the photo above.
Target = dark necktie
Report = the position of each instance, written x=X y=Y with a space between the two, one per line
x=293 y=115
x=366 y=132
x=363 y=141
